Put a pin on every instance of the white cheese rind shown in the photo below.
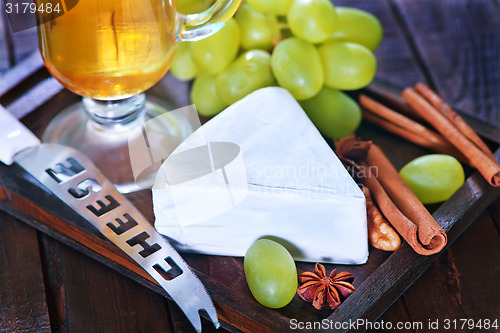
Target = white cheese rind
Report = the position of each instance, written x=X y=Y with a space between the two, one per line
x=295 y=189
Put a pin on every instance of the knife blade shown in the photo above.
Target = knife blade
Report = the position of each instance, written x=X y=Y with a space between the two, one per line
x=74 y=179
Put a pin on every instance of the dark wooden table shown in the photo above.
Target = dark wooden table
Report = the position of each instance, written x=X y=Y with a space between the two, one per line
x=454 y=46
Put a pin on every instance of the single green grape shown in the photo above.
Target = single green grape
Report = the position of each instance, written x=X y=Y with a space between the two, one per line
x=270 y=273
x=183 y=67
x=258 y=30
x=204 y=95
x=434 y=177
x=216 y=52
x=193 y=6
x=297 y=67
x=251 y=71
x=358 y=26
x=276 y=7
x=334 y=114
x=347 y=66
x=312 y=20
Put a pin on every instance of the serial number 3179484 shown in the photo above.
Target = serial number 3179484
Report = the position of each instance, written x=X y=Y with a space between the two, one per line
x=471 y=324
x=31 y=7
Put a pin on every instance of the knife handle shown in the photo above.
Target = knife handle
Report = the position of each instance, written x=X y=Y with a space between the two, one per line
x=14 y=137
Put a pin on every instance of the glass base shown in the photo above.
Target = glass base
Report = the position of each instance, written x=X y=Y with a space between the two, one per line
x=128 y=154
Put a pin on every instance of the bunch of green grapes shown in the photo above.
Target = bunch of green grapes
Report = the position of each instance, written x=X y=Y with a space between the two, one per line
x=309 y=47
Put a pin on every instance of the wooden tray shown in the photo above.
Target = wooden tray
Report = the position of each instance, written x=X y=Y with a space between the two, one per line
x=28 y=87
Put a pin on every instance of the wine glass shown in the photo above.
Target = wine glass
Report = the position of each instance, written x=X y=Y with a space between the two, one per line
x=110 y=52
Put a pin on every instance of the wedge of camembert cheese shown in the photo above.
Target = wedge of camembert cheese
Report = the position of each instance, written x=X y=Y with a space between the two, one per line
x=260 y=169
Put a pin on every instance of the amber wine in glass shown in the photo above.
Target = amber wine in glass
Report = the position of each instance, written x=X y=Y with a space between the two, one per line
x=123 y=48
x=110 y=52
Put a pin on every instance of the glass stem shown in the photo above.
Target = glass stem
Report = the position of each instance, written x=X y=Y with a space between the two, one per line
x=115 y=114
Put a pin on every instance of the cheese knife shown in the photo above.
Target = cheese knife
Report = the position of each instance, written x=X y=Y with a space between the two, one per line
x=74 y=179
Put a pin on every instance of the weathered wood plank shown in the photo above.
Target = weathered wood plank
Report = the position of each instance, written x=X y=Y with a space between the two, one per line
x=227 y=295
x=455 y=42
x=25 y=42
x=54 y=270
x=462 y=282
x=495 y=214
x=14 y=47
x=140 y=308
x=36 y=96
x=22 y=71
x=5 y=61
x=440 y=288
x=429 y=35
x=181 y=324
x=87 y=284
x=86 y=241
x=23 y=306
x=479 y=270
x=459 y=43
x=393 y=277
x=396 y=313
x=457 y=285
x=390 y=69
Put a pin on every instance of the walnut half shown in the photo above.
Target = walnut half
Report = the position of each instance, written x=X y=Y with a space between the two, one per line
x=380 y=233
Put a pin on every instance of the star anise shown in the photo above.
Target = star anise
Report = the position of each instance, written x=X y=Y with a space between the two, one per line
x=320 y=289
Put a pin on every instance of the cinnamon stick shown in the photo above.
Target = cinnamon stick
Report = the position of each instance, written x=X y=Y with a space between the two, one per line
x=407 y=128
x=398 y=204
x=419 y=228
x=454 y=117
x=488 y=167
x=400 y=120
